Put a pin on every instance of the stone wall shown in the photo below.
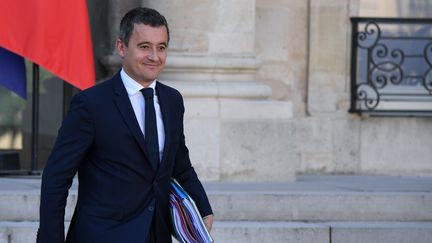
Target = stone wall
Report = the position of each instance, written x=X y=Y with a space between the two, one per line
x=266 y=87
x=344 y=143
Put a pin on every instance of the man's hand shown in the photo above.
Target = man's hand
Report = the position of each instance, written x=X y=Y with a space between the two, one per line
x=208 y=221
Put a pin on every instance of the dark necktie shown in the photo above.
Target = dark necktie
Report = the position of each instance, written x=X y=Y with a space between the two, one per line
x=150 y=130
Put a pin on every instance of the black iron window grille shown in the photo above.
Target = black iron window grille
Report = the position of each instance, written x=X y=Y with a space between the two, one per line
x=391 y=66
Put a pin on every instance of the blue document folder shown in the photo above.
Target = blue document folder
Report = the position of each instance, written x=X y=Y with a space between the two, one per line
x=187 y=223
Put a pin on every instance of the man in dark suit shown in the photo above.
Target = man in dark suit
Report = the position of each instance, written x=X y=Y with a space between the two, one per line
x=124 y=165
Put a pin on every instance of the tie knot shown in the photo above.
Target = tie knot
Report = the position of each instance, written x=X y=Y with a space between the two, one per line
x=148 y=93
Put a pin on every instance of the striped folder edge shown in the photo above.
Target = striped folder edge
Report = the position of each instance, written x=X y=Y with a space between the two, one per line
x=186 y=221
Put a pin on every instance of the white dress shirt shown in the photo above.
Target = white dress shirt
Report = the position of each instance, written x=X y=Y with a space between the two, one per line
x=136 y=98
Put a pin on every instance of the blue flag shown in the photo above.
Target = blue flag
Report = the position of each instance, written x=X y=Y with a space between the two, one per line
x=13 y=72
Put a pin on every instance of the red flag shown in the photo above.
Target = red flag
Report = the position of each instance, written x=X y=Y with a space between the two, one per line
x=54 y=34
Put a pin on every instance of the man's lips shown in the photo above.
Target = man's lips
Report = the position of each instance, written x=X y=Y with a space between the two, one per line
x=151 y=65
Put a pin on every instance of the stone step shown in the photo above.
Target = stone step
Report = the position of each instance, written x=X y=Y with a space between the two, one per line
x=271 y=206
x=278 y=232
x=314 y=198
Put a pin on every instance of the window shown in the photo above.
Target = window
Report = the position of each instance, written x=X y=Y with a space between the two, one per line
x=391 y=66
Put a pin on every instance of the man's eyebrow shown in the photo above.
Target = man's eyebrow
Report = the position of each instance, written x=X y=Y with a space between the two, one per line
x=142 y=43
x=148 y=42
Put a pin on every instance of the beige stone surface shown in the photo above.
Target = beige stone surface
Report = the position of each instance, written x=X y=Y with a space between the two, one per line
x=313 y=135
x=329 y=35
x=275 y=232
x=282 y=43
x=317 y=162
x=234 y=27
x=23 y=234
x=254 y=61
x=204 y=26
x=244 y=109
x=253 y=150
x=323 y=95
x=189 y=21
x=346 y=145
x=198 y=108
x=203 y=141
x=396 y=146
x=3 y=235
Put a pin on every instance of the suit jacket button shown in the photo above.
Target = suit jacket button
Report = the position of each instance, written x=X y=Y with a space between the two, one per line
x=151 y=208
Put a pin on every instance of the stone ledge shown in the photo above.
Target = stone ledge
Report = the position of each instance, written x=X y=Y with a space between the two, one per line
x=273 y=205
x=197 y=61
x=221 y=89
x=277 y=231
x=309 y=198
x=264 y=231
x=233 y=109
x=381 y=232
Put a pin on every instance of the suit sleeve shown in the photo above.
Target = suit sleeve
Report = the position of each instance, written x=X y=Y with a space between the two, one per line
x=186 y=175
x=74 y=139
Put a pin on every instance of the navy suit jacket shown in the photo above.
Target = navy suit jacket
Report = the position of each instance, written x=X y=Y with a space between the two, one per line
x=120 y=192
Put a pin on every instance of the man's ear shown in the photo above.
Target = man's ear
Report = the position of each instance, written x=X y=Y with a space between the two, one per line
x=120 y=45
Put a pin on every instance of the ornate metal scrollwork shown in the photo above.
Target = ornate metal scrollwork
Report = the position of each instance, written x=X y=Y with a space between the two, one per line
x=427 y=81
x=391 y=64
x=385 y=66
x=369 y=37
x=369 y=95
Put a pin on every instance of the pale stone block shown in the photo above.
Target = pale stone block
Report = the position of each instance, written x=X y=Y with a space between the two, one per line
x=4 y=235
x=281 y=42
x=193 y=88
x=20 y=207
x=281 y=28
x=329 y=35
x=317 y=162
x=213 y=90
x=23 y=232
x=345 y=202
x=280 y=71
x=329 y=54
x=234 y=43
x=257 y=150
x=396 y=146
x=185 y=61
x=346 y=142
x=323 y=95
x=243 y=90
x=275 y=232
x=255 y=109
x=25 y=206
x=235 y=16
x=189 y=41
x=313 y=135
x=189 y=20
x=201 y=108
x=203 y=139
x=381 y=232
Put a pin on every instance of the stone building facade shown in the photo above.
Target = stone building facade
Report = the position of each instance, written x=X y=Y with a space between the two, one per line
x=267 y=87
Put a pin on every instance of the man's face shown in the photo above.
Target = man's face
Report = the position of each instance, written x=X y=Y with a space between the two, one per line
x=145 y=55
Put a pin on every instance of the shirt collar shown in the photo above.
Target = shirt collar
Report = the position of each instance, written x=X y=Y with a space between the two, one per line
x=132 y=86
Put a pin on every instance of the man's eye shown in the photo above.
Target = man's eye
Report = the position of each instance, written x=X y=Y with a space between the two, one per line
x=144 y=47
x=162 y=48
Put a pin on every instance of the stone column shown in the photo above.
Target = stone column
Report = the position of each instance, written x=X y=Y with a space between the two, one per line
x=234 y=132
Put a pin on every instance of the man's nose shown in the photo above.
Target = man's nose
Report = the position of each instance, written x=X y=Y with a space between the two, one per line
x=152 y=55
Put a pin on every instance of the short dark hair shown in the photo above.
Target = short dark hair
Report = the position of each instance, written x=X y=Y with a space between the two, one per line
x=140 y=15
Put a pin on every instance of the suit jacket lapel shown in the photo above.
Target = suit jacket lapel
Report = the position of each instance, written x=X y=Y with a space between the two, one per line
x=164 y=106
x=125 y=108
